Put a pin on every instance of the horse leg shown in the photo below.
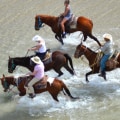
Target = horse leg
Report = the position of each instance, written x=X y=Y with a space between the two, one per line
x=69 y=69
x=58 y=70
x=59 y=38
x=54 y=95
x=89 y=73
x=94 y=38
x=85 y=37
x=22 y=92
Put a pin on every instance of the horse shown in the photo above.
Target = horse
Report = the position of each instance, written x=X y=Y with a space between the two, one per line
x=82 y=24
x=54 y=86
x=57 y=60
x=93 y=59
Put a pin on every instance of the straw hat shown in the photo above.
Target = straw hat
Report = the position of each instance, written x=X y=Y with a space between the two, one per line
x=36 y=60
x=37 y=38
x=107 y=37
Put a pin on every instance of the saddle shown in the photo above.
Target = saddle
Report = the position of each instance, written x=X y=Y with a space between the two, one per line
x=112 y=61
x=71 y=23
x=40 y=84
x=47 y=56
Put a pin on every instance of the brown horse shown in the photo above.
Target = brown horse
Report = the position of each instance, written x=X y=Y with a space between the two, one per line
x=93 y=59
x=82 y=24
x=56 y=62
x=53 y=87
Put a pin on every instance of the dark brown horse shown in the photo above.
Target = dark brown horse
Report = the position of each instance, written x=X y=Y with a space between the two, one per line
x=56 y=62
x=53 y=88
x=93 y=59
x=82 y=24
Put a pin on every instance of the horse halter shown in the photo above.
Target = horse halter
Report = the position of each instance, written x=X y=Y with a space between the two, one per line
x=5 y=85
x=11 y=67
x=39 y=24
x=78 y=53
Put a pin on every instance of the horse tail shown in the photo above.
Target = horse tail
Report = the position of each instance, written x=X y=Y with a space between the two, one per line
x=70 y=60
x=67 y=91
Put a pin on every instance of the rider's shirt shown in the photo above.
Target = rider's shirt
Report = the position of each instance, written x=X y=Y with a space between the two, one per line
x=42 y=49
x=107 y=48
x=40 y=71
x=68 y=15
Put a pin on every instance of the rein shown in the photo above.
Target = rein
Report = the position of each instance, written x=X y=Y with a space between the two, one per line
x=96 y=59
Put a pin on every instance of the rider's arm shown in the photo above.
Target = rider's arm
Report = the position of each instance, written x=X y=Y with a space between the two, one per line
x=66 y=11
x=35 y=48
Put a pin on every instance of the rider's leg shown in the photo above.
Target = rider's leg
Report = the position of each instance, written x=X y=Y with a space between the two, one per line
x=30 y=87
x=103 y=64
x=63 y=27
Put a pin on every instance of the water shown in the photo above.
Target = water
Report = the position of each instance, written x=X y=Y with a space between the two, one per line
x=99 y=99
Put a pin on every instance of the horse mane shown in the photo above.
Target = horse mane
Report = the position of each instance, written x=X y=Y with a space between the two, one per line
x=46 y=16
x=91 y=50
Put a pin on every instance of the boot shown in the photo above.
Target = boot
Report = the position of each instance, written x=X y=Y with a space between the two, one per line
x=102 y=74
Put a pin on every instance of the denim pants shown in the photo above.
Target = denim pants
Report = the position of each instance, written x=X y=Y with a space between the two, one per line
x=103 y=62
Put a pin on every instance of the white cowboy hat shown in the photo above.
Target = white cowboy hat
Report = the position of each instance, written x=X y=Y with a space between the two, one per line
x=37 y=38
x=36 y=60
x=108 y=36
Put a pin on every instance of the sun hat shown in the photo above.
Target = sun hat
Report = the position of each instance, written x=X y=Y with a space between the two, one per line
x=37 y=38
x=107 y=37
x=36 y=60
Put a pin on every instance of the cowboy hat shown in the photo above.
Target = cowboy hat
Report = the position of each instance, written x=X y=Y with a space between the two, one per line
x=36 y=60
x=37 y=38
x=107 y=36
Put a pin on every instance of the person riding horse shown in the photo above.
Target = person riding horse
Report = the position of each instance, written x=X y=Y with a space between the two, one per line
x=107 y=50
x=40 y=48
x=66 y=16
x=38 y=74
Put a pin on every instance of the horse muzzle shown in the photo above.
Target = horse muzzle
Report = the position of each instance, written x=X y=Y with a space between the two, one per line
x=10 y=71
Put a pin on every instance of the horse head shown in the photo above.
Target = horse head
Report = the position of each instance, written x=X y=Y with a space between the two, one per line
x=80 y=50
x=38 y=23
x=11 y=65
x=5 y=83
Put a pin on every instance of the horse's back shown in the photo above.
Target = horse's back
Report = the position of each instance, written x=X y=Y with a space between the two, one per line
x=85 y=24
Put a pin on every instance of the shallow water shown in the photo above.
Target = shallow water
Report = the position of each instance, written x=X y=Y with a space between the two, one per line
x=99 y=99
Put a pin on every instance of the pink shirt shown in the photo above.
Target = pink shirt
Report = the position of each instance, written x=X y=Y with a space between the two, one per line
x=40 y=71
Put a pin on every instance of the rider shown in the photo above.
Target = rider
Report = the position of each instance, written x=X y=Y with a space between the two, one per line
x=107 y=50
x=67 y=15
x=38 y=74
x=40 y=48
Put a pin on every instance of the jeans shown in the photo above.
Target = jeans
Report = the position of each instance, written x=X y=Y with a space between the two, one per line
x=103 y=62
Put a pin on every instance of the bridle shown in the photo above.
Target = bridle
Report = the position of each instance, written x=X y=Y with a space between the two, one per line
x=78 y=53
x=39 y=23
x=12 y=67
x=5 y=85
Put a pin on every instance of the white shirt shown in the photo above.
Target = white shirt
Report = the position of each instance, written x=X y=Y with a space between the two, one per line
x=42 y=49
